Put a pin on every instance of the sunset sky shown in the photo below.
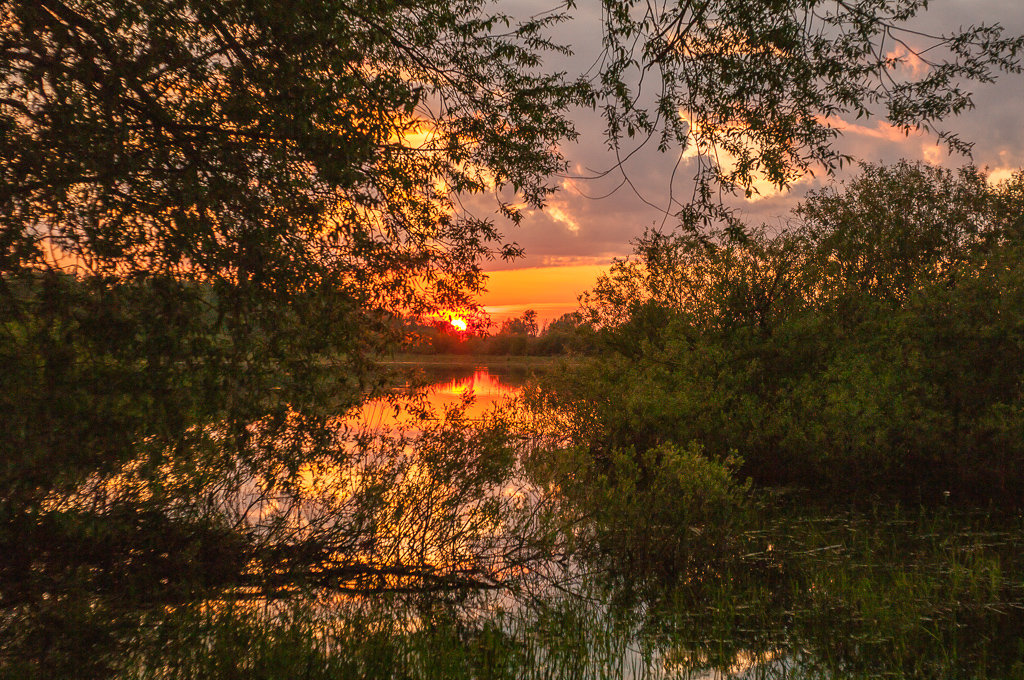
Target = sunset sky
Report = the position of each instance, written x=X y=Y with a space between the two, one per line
x=574 y=239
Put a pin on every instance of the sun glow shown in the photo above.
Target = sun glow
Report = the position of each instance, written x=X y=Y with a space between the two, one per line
x=462 y=320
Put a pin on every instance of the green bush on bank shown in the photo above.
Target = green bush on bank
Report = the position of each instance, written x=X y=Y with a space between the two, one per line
x=872 y=348
x=669 y=512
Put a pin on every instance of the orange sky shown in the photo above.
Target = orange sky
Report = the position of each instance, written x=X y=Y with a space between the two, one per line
x=551 y=291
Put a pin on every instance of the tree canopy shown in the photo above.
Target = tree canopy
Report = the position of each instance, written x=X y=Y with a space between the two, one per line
x=269 y=144
x=872 y=347
x=203 y=203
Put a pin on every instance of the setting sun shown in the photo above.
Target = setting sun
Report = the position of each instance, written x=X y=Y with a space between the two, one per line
x=458 y=324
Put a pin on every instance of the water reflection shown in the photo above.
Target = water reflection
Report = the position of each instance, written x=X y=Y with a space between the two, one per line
x=482 y=388
x=479 y=389
x=450 y=515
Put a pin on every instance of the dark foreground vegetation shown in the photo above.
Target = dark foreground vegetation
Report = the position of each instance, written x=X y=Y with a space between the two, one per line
x=792 y=454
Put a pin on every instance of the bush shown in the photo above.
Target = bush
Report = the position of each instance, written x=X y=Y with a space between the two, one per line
x=873 y=348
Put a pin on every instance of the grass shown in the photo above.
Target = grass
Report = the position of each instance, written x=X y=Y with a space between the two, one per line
x=931 y=594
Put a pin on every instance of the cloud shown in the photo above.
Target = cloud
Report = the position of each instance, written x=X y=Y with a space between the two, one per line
x=761 y=187
x=933 y=154
x=590 y=220
x=559 y=208
x=998 y=175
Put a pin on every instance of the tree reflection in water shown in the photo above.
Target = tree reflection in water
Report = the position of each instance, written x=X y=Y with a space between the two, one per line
x=436 y=545
x=793 y=594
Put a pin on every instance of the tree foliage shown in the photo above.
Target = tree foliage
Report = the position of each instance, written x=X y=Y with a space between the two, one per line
x=872 y=347
x=759 y=90
x=204 y=203
x=277 y=145
x=209 y=213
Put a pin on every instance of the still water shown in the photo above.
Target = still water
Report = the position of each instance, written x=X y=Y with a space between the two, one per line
x=479 y=387
x=787 y=592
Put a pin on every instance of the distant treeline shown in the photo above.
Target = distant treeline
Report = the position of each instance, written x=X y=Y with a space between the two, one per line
x=520 y=336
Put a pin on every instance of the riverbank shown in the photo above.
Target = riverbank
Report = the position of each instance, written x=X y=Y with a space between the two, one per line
x=471 y=360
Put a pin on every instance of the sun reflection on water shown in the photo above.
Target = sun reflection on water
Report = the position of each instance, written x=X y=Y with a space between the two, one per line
x=482 y=384
x=479 y=392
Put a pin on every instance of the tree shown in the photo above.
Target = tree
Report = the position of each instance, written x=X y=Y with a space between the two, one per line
x=271 y=144
x=216 y=198
x=758 y=90
x=872 y=347
x=525 y=324
x=210 y=213
x=567 y=333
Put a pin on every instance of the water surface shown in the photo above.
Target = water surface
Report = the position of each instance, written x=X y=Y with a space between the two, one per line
x=478 y=385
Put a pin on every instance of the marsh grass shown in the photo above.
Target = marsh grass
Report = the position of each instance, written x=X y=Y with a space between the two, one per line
x=878 y=594
x=387 y=639
x=934 y=593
